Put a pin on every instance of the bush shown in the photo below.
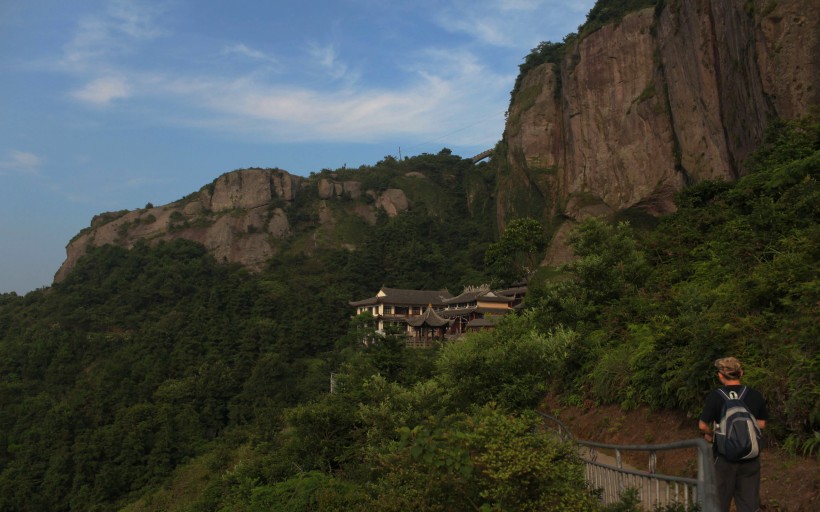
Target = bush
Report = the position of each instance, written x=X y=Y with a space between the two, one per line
x=511 y=365
x=485 y=461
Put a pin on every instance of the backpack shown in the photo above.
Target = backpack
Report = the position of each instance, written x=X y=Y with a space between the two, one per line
x=737 y=435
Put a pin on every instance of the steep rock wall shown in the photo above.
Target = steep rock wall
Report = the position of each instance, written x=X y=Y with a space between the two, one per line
x=619 y=142
x=233 y=218
x=241 y=217
x=664 y=98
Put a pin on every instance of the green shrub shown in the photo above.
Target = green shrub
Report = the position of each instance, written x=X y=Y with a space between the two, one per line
x=488 y=460
x=511 y=365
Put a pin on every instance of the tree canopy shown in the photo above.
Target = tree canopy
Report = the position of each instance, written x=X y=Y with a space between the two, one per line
x=159 y=379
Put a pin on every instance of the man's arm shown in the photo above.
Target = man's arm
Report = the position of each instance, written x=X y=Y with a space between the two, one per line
x=707 y=430
x=711 y=411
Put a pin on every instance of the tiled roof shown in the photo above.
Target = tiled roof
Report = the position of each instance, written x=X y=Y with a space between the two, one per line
x=456 y=312
x=372 y=301
x=494 y=297
x=440 y=298
x=516 y=290
x=401 y=296
x=429 y=318
x=405 y=297
x=464 y=297
x=480 y=295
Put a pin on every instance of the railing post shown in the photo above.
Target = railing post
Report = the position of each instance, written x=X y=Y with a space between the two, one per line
x=707 y=488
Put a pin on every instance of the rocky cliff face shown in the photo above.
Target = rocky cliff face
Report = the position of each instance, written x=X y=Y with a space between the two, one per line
x=668 y=96
x=242 y=217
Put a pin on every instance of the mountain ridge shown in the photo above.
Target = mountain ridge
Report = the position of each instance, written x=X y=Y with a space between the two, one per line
x=623 y=117
x=241 y=217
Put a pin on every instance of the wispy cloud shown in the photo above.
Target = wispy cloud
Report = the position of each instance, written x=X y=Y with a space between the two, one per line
x=244 y=51
x=136 y=19
x=441 y=92
x=299 y=114
x=98 y=45
x=327 y=59
x=512 y=23
x=20 y=162
x=102 y=91
x=108 y=34
x=434 y=90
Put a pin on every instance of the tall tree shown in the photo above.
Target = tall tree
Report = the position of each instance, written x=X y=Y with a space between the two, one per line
x=517 y=252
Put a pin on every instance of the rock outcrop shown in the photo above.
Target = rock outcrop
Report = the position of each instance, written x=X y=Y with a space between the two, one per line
x=393 y=201
x=233 y=218
x=666 y=97
x=249 y=189
x=241 y=217
x=329 y=189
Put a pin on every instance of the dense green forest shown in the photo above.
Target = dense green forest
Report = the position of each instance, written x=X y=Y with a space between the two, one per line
x=157 y=379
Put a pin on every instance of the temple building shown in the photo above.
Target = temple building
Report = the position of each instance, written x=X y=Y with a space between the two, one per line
x=428 y=315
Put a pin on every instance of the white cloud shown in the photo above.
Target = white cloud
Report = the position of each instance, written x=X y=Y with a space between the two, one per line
x=135 y=19
x=447 y=90
x=100 y=37
x=21 y=162
x=513 y=23
x=102 y=91
x=245 y=51
x=325 y=57
x=440 y=90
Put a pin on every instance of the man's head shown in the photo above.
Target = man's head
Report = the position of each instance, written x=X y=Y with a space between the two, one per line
x=729 y=367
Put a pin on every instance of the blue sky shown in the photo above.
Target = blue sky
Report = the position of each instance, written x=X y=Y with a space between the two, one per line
x=109 y=105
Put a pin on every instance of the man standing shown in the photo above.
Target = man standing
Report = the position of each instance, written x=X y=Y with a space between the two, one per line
x=739 y=480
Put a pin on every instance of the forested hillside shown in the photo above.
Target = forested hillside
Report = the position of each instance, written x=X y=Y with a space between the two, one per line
x=142 y=359
x=159 y=379
x=248 y=216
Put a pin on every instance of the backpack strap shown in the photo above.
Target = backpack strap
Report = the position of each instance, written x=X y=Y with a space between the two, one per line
x=739 y=396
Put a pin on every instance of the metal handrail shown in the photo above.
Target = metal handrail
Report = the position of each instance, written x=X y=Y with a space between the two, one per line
x=602 y=476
